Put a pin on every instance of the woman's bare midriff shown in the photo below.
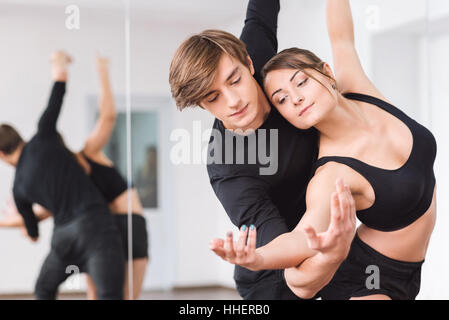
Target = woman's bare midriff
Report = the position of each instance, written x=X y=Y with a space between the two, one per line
x=120 y=204
x=408 y=244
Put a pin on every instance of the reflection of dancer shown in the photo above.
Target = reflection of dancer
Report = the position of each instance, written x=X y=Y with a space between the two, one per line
x=216 y=71
x=385 y=157
x=112 y=186
x=146 y=181
x=85 y=234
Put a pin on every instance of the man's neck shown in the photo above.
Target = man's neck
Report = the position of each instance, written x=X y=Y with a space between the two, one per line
x=13 y=158
x=264 y=110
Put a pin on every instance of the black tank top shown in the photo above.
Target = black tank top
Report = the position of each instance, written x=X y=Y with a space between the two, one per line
x=401 y=195
x=107 y=179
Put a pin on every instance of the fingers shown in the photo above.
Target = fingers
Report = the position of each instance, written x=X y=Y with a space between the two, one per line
x=352 y=210
x=236 y=252
x=241 y=242
x=335 y=211
x=313 y=241
x=217 y=246
x=252 y=239
x=343 y=199
x=102 y=62
x=229 y=246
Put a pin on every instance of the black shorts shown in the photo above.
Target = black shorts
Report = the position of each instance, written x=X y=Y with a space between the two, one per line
x=139 y=234
x=367 y=272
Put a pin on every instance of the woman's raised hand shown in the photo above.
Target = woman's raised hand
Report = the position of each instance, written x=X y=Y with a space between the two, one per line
x=336 y=240
x=241 y=252
x=102 y=64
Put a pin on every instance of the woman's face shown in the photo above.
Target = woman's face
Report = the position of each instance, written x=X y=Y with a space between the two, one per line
x=300 y=99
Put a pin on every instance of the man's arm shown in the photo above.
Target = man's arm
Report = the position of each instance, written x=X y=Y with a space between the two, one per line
x=47 y=122
x=26 y=210
x=259 y=32
x=246 y=201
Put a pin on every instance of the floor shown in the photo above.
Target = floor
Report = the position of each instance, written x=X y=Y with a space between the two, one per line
x=209 y=293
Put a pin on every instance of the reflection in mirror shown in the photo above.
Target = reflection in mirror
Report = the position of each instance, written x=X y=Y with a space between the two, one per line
x=58 y=54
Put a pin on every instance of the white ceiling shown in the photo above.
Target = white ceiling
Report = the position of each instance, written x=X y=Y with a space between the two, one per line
x=204 y=11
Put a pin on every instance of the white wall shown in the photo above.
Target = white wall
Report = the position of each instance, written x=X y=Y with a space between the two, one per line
x=435 y=276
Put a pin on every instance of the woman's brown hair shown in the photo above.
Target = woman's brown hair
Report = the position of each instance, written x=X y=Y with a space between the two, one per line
x=297 y=59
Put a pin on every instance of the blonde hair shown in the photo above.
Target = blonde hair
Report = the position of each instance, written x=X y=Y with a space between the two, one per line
x=194 y=64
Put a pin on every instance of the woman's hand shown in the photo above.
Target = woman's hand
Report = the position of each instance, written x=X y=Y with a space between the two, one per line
x=102 y=64
x=335 y=242
x=242 y=252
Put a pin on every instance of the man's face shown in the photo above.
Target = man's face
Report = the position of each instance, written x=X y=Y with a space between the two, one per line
x=234 y=96
x=2 y=157
x=5 y=158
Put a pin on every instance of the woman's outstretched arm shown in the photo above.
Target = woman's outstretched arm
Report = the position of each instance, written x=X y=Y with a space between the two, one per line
x=349 y=72
x=107 y=114
x=335 y=224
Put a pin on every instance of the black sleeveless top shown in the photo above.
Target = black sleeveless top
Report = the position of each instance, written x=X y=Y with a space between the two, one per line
x=107 y=179
x=402 y=195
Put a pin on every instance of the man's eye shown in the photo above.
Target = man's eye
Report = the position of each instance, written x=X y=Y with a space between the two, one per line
x=236 y=81
x=302 y=82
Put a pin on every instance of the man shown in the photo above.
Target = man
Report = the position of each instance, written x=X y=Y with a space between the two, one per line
x=215 y=71
x=48 y=174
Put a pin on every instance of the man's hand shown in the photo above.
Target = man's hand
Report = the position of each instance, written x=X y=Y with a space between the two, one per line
x=12 y=217
x=334 y=243
x=243 y=252
x=59 y=62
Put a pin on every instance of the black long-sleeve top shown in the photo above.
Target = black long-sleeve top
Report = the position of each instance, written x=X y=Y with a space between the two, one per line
x=47 y=173
x=273 y=203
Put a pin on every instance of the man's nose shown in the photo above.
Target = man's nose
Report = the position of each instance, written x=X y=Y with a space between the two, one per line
x=233 y=99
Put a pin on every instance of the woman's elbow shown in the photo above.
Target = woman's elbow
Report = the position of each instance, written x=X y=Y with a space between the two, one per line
x=302 y=291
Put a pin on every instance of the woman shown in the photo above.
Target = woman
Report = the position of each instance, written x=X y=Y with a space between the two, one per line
x=385 y=158
x=113 y=187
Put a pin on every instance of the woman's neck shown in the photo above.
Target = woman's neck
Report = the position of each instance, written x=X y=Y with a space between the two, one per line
x=344 y=122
